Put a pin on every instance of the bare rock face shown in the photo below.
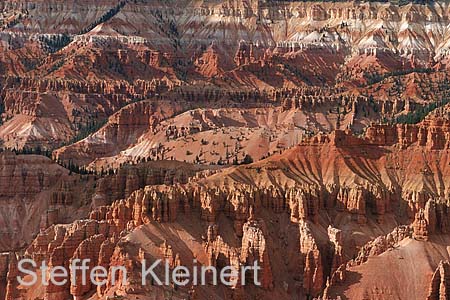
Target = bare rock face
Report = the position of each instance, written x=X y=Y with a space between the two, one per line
x=88 y=249
x=238 y=219
x=62 y=253
x=439 y=287
x=120 y=257
x=61 y=245
x=122 y=130
x=210 y=63
x=336 y=238
x=420 y=226
x=30 y=105
x=132 y=88
x=104 y=259
x=34 y=194
x=353 y=200
x=254 y=249
x=11 y=288
x=303 y=205
x=87 y=239
x=381 y=244
x=130 y=178
x=311 y=191
x=63 y=78
x=432 y=134
x=245 y=54
x=313 y=276
x=14 y=166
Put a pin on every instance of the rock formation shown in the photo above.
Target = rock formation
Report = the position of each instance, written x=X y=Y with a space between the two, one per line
x=439 y=283
x=309 y=137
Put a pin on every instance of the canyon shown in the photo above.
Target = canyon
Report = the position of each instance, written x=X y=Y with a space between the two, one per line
x=339 y=206
x=310 y=137
x=63 y=77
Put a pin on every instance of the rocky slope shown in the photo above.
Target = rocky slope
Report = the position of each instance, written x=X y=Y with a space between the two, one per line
x=61 y=77
x=218 y=135
x=338 y=110
x=36 y=193
x=379 y=198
